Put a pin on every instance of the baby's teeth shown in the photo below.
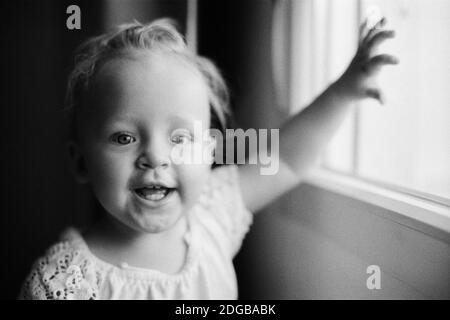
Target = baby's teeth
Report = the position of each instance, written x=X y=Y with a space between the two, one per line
x=155 y=197
x=154 y=194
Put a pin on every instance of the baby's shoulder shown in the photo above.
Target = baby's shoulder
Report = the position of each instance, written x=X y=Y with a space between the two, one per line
x=223 y=181
x=221 y=210
x=64 y=272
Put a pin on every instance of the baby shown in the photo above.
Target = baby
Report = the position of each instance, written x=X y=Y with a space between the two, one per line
x=170 y=229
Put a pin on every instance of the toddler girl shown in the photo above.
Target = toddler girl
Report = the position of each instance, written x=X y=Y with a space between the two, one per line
x=171 y=229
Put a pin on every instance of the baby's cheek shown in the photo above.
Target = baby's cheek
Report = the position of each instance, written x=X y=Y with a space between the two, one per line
x=192 y=178
x=108 y=169
x=109 y=177
x=192 y=153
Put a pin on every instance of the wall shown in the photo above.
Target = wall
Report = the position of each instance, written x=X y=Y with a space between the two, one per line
x=315 y=244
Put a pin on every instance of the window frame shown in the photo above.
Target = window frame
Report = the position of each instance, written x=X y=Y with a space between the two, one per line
x=422 y=214
x=419 y=208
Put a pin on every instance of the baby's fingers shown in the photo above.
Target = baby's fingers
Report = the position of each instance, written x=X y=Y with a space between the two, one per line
x=363 y=30
x=378 y=38
x=379 y=61
x=376 y=27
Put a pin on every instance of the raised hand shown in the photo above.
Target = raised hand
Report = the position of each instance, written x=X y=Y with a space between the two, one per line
x=359 y=80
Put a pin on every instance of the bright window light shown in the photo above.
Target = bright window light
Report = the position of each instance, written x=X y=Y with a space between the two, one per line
x=405 y=144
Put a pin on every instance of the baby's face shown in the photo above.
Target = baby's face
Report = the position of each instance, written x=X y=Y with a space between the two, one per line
x=141 y=109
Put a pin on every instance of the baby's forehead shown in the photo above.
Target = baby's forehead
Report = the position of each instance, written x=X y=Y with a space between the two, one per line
x=145 y=82
x=147 y=67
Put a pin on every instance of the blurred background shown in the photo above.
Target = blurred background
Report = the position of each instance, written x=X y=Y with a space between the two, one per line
x=276 y=55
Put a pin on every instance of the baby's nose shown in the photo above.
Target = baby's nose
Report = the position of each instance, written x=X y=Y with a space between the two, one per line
x=154 y=156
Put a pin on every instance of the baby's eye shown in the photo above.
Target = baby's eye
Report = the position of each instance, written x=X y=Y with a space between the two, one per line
x=123 y=138
x=181 y=138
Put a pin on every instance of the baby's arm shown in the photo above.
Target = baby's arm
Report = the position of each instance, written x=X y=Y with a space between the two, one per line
x=305 y=135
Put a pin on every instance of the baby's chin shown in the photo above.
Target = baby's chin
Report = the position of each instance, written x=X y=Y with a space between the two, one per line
x=155 y=222
x=155 y=225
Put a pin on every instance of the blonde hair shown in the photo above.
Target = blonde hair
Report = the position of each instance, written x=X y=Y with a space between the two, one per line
x=157 y=36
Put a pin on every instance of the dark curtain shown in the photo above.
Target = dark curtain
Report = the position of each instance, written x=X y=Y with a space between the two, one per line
x=38 y=196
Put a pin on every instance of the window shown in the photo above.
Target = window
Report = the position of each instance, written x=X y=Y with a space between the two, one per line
x=405 y=144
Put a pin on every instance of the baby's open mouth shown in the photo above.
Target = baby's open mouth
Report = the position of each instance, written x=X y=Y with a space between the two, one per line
x=154 y=192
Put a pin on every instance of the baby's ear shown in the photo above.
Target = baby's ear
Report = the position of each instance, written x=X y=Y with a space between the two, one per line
x=77 y=163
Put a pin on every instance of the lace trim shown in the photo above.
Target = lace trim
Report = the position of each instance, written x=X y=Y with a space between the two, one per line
x=62 y=275
x=223 y=199
x=141 y=274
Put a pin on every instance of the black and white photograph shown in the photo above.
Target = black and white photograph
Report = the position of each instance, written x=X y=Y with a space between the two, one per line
x=230 y=154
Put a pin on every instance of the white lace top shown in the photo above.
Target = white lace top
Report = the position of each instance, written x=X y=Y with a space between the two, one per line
x=217 y=226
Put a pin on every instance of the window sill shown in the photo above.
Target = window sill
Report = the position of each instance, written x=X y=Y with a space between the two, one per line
x=422 y=215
